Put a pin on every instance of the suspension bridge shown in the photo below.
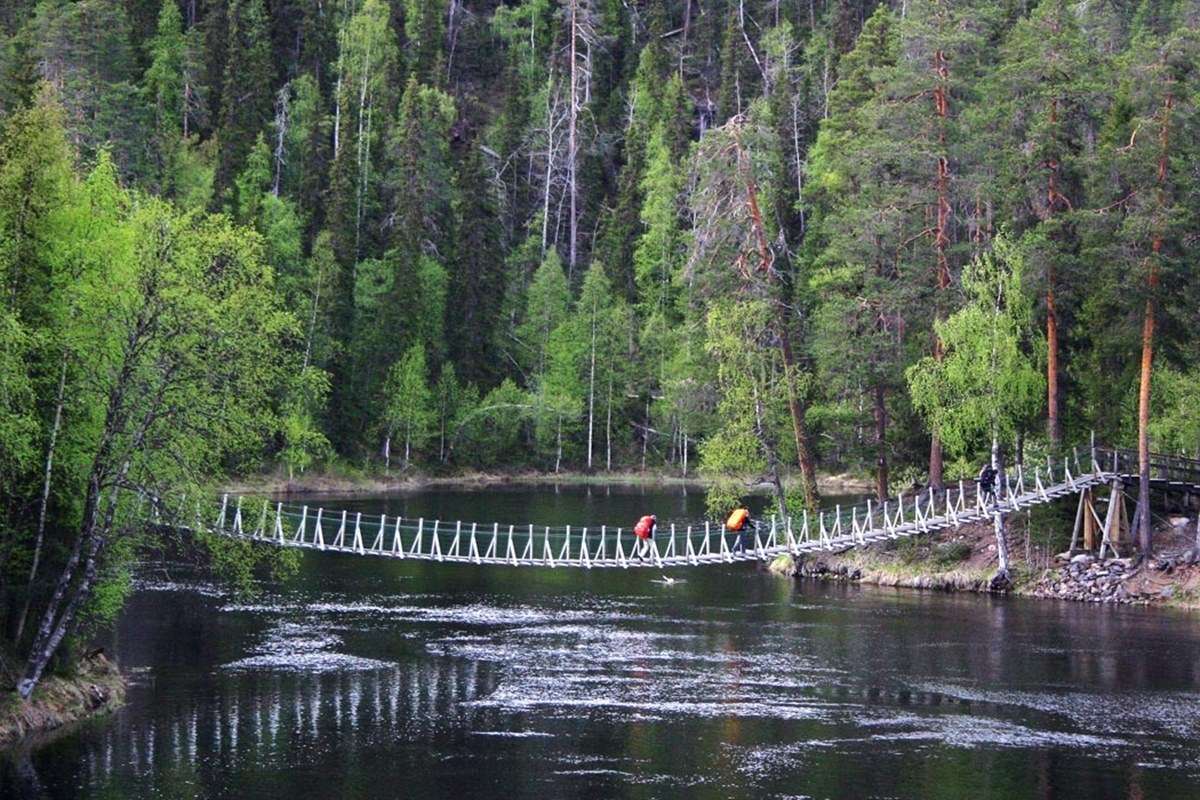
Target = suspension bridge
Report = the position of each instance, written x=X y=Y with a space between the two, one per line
x=695 y=544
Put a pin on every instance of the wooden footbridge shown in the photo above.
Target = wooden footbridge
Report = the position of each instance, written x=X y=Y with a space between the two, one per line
x=679 y=545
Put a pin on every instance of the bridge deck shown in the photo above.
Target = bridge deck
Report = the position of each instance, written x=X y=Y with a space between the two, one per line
x=678 y=544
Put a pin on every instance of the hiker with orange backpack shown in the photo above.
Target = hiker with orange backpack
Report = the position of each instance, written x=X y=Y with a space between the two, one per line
x=644 y=531
x=739 y=522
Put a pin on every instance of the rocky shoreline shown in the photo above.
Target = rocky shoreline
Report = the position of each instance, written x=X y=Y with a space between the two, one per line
x=1171 y=578
x=1087 y=580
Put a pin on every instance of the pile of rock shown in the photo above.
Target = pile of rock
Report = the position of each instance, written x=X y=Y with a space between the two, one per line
x=1088 y=580
x=818 y=568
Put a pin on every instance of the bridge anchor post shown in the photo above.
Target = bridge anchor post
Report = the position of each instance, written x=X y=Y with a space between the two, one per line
x=1116 y=521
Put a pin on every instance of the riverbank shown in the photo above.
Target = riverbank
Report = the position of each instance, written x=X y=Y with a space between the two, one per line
x=344 y=482
x=96 y=688
x=964 y=560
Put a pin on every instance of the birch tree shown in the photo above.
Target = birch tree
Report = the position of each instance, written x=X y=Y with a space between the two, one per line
x=986 y=381
x=183 y=375
x=408 y=405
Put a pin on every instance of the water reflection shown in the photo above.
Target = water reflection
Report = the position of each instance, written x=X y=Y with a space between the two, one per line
x=374 y=679
x=264 y=716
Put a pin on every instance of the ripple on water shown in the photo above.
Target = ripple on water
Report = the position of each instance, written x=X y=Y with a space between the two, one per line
x=291 y=646
x=1176 y=713
x=969 y=731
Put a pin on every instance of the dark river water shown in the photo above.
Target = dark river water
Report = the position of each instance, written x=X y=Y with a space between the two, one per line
x=373 y=678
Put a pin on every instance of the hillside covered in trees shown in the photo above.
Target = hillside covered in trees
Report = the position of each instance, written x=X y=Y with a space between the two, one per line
x=741 y=238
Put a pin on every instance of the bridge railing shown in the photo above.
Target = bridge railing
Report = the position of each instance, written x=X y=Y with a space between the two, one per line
x=1162 y=466
x=676 y=542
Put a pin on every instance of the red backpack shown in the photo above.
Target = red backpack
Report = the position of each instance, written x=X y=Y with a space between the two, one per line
x=644 y=528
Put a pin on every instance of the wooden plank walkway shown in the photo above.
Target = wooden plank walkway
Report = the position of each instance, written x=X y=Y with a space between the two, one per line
x=678 y=545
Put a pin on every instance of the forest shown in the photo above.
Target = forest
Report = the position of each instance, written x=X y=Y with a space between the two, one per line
x=749 y=241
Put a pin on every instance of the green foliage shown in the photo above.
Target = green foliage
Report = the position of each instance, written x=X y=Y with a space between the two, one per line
x=302 y=406
x=408 y=410
x=658 y=255
x=986 y=382
x=1175 y=427
x=246 y=96
x=18 y=425
x=396 y=182
x=545 y=309
x=491 y=430
x=947 y=554
x=735 y=450
x=164 y=79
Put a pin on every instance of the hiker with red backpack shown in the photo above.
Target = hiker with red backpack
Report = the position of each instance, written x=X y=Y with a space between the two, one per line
x=644 y=531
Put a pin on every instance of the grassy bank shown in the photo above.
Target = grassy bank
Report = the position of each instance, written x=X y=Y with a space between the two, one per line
x=96 y=687
x=339 y=480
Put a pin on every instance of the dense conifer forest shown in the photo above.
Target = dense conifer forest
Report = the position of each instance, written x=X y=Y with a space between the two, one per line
x=736 y=238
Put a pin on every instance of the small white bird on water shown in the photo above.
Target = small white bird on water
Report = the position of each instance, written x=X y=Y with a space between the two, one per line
x=668 y=581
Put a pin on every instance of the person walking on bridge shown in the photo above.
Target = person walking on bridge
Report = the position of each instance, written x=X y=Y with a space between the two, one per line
x=739 y=522
x=644 y=531
x=987 y=483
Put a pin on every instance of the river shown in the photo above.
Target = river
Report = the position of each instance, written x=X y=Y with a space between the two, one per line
x=373 y=678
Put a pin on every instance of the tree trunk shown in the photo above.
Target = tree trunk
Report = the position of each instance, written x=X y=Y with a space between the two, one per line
x=45 y=502
x=608 y=425
x=54 y=625
x=796 y=408
x=1143 y=521
x=1144 y=539
x=442 y=437
x=337 y=97
x=550 y=108
x=407 y=446
x=1053 y=425
x=558 y=451
x=363 y=160
x=312 y=321
x=387 y=454
x=1002 y=575
x=646 y=434
x=941 y=236
x=764 y=440
x=281 y=128
x=591 y=393
x=45 y=647
x=572 y=145
x=881 y=462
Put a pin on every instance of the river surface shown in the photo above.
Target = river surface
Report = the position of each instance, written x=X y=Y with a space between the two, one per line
x=372 y=678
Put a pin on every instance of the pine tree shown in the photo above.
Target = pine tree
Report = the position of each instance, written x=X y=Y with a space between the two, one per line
x=246 y=94
x=546 y=309
x=1147 y=238
x=425 y=38
x=658 y=256
x=619 y=228
x=884 y=194
x=478 y=279
x=732 y=252
x=83 y=49
x=164 y=81
x=1048 y=87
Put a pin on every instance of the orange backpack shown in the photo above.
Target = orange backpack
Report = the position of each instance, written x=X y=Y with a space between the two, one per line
x=737 y=520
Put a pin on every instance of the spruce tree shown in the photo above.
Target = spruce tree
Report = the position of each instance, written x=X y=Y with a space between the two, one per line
x=478 y=278
x=246 y=95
